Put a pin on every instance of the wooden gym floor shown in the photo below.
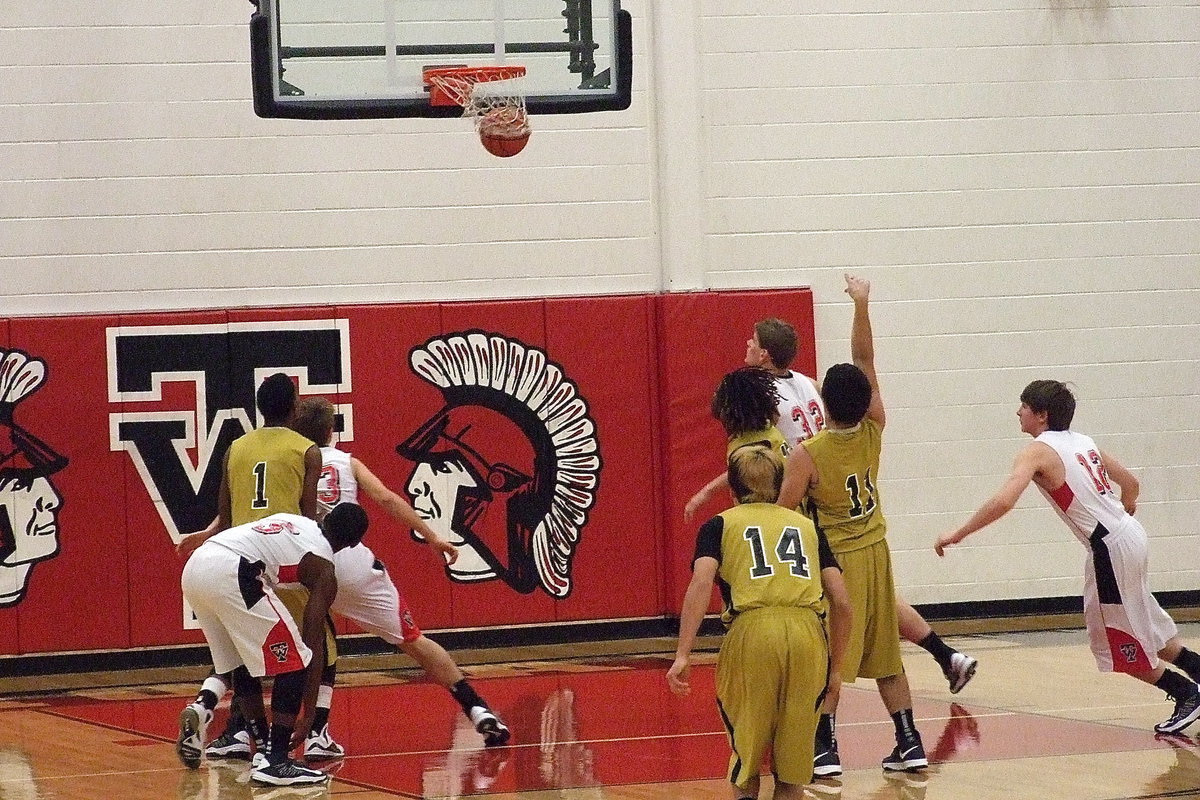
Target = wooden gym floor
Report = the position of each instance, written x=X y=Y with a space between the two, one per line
x=1038 y=721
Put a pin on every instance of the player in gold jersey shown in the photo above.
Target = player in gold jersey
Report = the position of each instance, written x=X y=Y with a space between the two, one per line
x=774 y=571
x=799 y=415
x=268 y=470
x=746 y=404
x=271 y=469
x=836 y=474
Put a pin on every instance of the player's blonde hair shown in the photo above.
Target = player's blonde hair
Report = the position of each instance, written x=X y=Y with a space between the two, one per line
x=314 y=419
x=755 y=474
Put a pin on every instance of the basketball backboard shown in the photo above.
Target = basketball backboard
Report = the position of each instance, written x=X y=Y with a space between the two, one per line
x=323 y=59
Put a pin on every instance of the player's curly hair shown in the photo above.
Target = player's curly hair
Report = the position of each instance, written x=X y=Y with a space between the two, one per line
x=746 y=400
x=315 y=419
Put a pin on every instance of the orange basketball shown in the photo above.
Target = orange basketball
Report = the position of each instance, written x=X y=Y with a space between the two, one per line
x=504 y=131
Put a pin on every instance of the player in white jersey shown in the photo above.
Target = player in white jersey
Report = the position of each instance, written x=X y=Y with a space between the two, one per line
x=230 y=582
x=773 y=345
x=801 y=412
x=1128 y=630
x=366 y=593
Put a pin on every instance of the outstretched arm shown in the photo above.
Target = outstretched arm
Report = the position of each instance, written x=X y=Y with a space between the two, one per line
x=399 y=509
x=1025 y=466
x=190 y=541
x=862 y=343
x=695 y=603
x=697 y=501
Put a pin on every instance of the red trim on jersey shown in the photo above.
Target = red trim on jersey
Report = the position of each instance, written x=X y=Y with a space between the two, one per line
x=1063 y=496
x=1127 y=653
x=409 y=632
x=289 y=573
x=280 y=652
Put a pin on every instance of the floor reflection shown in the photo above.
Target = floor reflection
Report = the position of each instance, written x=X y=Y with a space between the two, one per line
x=16 y=777
x=960 y=733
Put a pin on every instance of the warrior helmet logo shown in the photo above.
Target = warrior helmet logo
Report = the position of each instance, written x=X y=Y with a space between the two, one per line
x=29 y=502
x=508 y=468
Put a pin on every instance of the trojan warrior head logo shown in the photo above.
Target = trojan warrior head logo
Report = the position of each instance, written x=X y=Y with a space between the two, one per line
x=280 y=651
x=29 y=503
x=507 y=469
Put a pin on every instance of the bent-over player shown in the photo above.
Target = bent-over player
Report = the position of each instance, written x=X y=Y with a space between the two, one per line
x=229 y=582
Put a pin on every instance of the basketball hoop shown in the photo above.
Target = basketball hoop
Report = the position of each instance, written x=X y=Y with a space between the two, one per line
x=492 y=96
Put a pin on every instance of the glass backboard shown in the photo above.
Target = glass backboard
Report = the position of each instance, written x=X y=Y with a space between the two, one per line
x=348 y=59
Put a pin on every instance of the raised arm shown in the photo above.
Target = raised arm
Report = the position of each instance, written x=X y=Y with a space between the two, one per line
x=1025 y=466
x=862 y=343
x=399 y=509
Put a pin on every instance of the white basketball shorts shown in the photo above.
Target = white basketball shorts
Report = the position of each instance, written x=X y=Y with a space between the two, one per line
x=367 y=596
x=242 y=619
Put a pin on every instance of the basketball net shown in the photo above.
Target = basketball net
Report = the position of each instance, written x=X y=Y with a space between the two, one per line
x=493 y=97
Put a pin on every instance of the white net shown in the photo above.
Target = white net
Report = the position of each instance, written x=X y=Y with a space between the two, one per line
x=500 y=102
x=498 y=108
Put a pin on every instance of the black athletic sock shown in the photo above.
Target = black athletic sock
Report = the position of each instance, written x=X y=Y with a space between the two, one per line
x=236 y=721
x=825 y=729
x=259 y=731
x=1176 y=685
x=1189 y=662
x=466 y=696
x=938 y=649
x=207 y=699
x=281 y=744
x=906 y=729
x=320 y=719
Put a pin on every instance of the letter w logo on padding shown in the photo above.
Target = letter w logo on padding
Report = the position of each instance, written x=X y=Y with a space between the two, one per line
x=280 y=651
x=184 y=392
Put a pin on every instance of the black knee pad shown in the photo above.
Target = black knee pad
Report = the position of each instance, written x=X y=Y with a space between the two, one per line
x=244 y=683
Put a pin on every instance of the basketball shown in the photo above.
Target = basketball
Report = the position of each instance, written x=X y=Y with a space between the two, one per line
x=504 y=131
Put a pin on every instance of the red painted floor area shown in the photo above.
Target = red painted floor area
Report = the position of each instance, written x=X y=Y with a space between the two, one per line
x=603 y=725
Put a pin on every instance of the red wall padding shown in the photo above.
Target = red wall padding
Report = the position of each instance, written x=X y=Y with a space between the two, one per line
x=701 y=337
x=144 y=405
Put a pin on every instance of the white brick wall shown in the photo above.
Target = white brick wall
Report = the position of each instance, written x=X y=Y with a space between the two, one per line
x=1020 y=180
